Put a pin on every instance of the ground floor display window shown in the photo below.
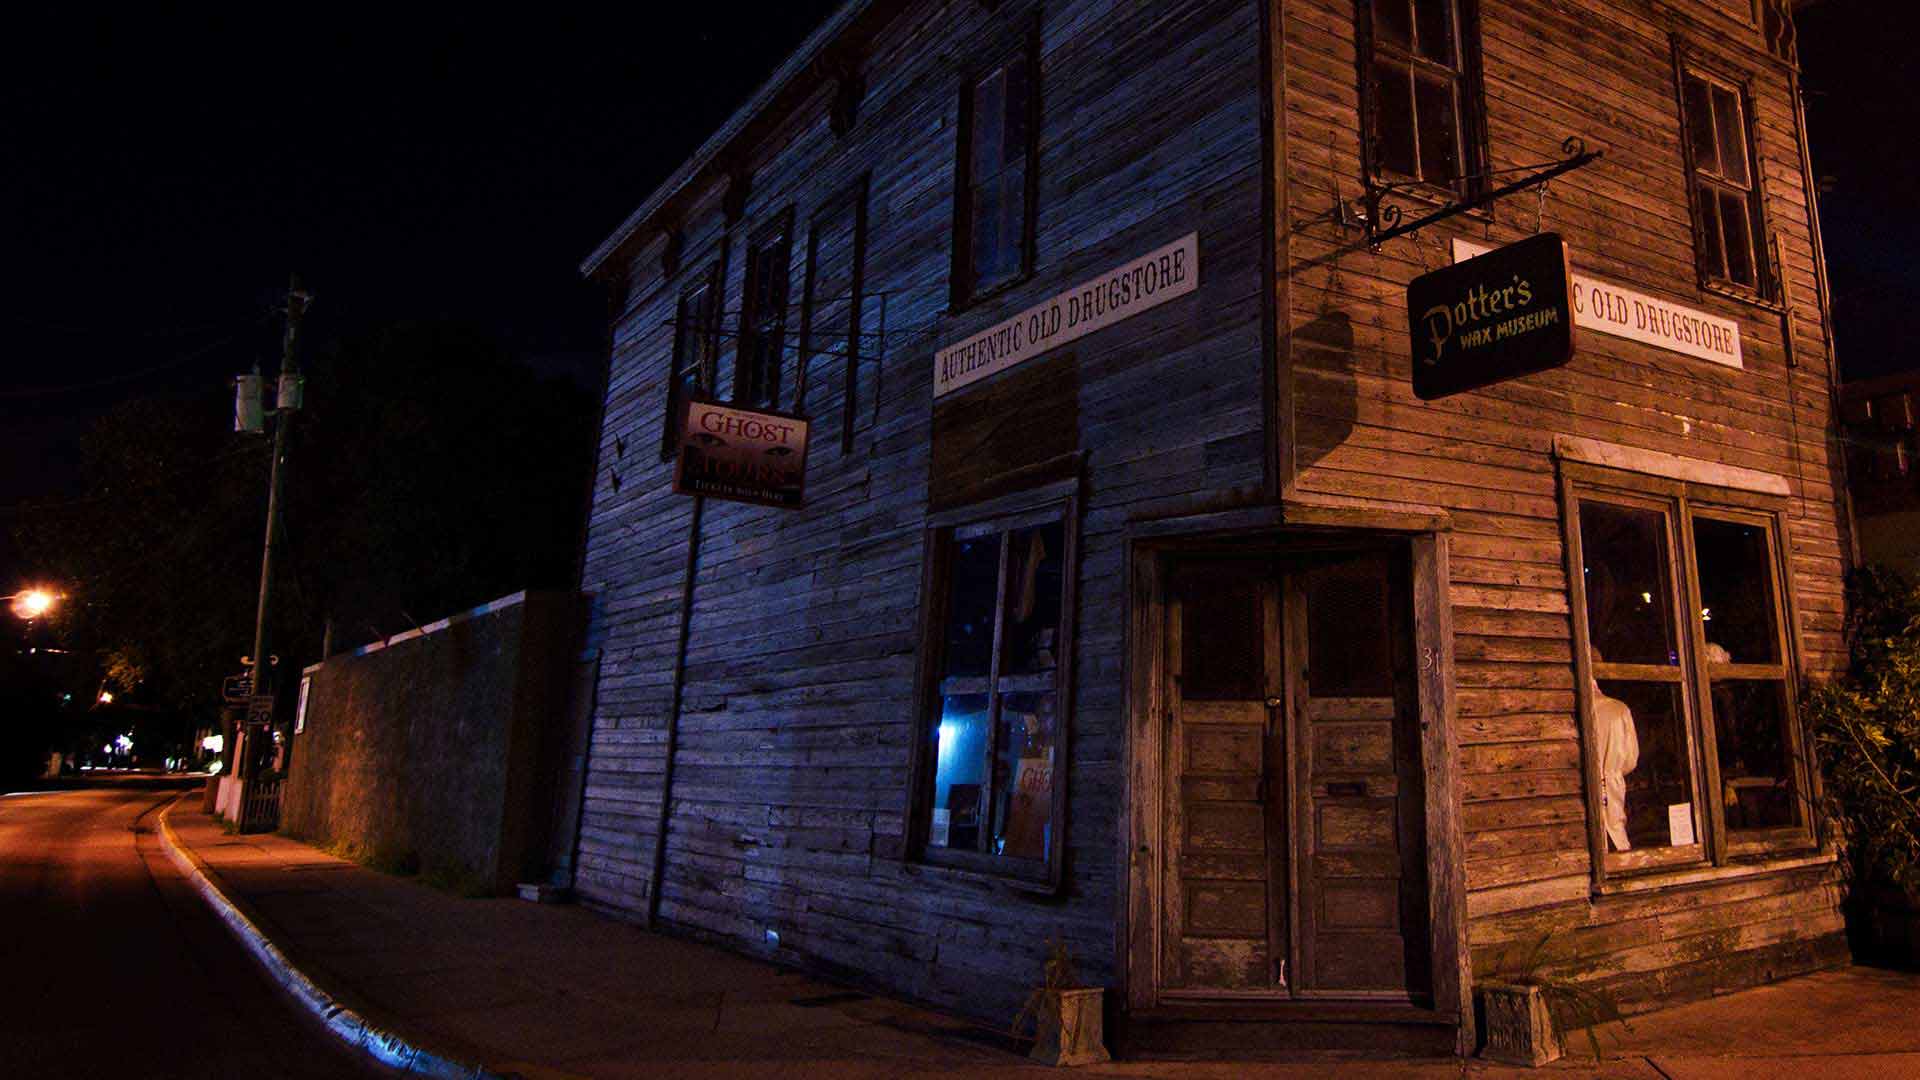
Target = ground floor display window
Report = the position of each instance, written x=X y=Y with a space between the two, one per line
x=1684 y=671
x=995 y=649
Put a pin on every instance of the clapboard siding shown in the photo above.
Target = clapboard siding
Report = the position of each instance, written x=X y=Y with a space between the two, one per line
x=1601 y=70
x=789 y=788
x=795 y=684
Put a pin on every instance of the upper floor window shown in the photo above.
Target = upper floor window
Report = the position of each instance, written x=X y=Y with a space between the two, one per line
x=1728 y=215
x=993 y=227
x=1417 y=70
x=696 y=352
x=763 y=342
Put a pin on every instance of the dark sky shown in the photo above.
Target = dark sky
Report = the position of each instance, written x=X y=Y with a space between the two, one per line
x=1864 y=123
x=163 y=173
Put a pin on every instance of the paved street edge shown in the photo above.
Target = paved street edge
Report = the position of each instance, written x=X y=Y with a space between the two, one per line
x=348 y=1026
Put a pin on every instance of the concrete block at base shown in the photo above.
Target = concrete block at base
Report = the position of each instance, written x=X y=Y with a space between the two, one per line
x=540 y=892
x=1078 y=1036
x=1516 y=1024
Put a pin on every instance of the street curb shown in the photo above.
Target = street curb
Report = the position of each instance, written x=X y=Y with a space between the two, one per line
x=386 y=1047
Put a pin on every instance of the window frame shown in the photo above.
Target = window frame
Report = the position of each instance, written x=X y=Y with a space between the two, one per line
x=709 y=278
x=1059 y=502
x=1471 y=103
x=1680 y=502
x=1021 y=47
x=850 y=200
x=774 y=235
x=1765 y=290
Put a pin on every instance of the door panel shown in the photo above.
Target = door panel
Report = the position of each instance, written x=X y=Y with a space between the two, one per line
x=1222 y=889
x=1363 y=892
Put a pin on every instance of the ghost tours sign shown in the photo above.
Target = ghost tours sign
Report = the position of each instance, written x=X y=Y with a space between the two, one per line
x=746 y=455
x=1491 y=318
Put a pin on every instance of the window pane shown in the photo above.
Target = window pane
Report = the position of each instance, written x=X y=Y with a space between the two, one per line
x=1434 y=19
x=988 y=220
x=1756 y=771
x=1713 y=254
x=1733 y=228
x=1731 y=135
x=1393 y=120
x=1222 y=652
x=1736 y=592
x=975 y=575
x=1393 y=23
x=1023 y=777
x=1349 y=632
x=959 y=772
x=1439 y=130
x=1700 y=126
x=1011 y=233
x=767 y=294
x=989 y=116
x=1035 y=582
x=1646 y=780
x=693 y=335
x=1628 y=584
x=1013 y=141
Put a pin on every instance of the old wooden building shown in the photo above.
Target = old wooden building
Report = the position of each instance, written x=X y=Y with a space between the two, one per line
x=1127 y=595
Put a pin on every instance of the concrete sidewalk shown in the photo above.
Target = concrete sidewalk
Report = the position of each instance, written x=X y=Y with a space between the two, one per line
x=555 y=991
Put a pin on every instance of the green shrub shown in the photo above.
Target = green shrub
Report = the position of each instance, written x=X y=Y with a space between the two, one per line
x=1866 y=726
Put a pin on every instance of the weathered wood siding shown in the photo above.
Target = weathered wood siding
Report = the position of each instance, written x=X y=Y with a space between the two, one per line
x=790 y=780
x=1601 y=70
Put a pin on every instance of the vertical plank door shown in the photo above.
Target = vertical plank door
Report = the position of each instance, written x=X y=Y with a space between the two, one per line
x=1223 y=913
x=1363 y=874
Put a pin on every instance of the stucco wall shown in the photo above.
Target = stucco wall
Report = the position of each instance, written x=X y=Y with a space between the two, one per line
x=433 y=751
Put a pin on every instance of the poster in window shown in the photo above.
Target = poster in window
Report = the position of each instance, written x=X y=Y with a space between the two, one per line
x=1031 y=809
x=744 y=455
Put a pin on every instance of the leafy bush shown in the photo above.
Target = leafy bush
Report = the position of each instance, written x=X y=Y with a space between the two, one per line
x=1867 y=728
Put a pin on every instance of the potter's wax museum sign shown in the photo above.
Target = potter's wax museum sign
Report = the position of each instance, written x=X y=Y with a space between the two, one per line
x=1492 y=318
x=1125 y=291
x=745 y=455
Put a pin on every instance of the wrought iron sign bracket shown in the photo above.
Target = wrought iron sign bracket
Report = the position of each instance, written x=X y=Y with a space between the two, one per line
x=1382 y=219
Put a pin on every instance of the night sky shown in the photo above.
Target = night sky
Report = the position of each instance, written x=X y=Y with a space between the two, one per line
x=165 y=173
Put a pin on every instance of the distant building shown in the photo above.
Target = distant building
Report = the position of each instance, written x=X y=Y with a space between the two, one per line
x=1883 y=473
x=1135 y=599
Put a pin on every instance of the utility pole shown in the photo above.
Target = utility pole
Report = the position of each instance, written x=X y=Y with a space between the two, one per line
x=286 y=404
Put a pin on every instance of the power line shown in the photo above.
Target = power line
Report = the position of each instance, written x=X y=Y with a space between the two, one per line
x=127 y=377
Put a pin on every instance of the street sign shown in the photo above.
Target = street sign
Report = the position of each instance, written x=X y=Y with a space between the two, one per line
x=260 y=709
x=237 y=688
x=1491 y=318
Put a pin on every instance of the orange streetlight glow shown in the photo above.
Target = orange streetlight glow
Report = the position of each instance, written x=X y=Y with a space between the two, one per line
x=32 y=603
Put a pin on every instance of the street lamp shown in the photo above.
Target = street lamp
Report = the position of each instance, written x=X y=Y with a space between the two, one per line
x=30 y=604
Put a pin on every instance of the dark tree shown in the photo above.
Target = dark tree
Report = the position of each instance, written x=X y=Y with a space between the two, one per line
x=429 y=471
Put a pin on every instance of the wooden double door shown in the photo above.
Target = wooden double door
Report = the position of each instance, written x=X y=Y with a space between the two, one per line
x=1293 y=805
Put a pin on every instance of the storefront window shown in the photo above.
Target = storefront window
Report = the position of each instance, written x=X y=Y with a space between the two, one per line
x=1001 y=592
x=1637 y=711
x=1689 y=713
x=1741 y=628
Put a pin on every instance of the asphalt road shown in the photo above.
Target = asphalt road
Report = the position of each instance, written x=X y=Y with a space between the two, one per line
x=112 y=966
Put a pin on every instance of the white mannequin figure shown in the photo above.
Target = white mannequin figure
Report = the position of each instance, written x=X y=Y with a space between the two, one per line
x=1619 y=746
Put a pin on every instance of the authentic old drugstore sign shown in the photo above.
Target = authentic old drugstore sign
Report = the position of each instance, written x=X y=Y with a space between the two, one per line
x=742 y=454
x=1610 y=309
x=1129 y=289
x=1496 y=317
